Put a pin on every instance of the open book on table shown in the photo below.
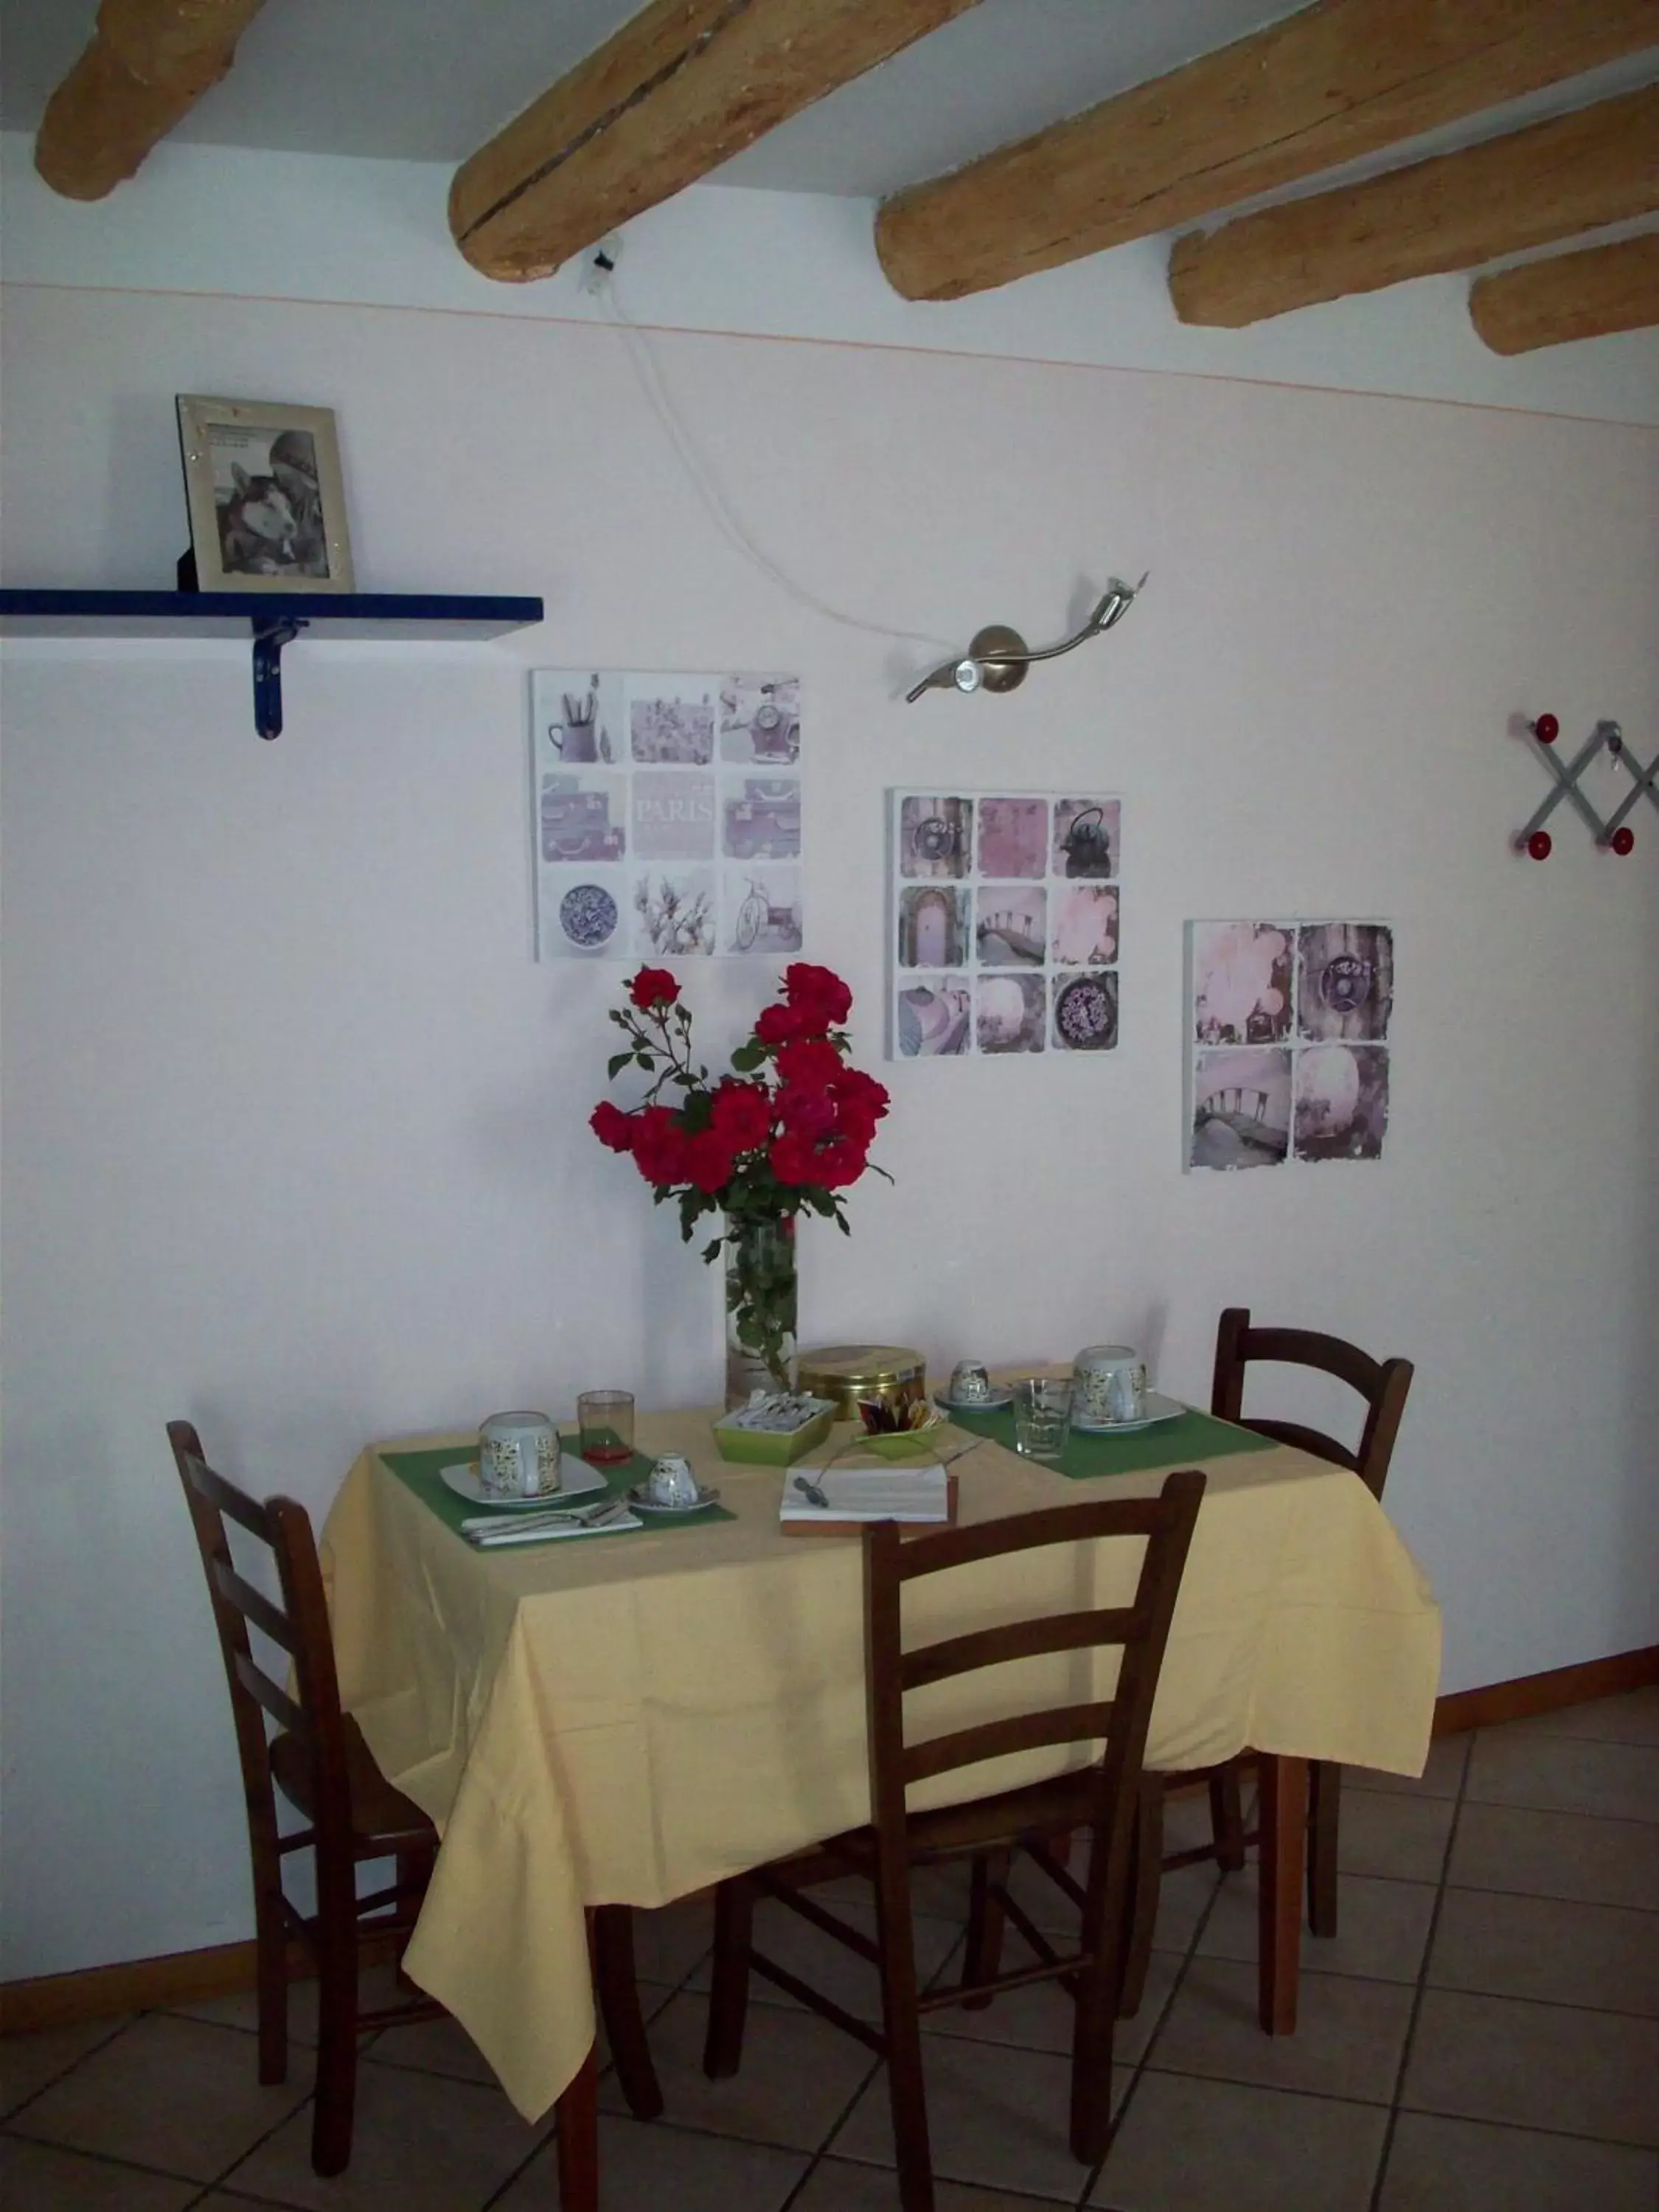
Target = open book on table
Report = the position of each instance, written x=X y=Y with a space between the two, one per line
x=885 y=1492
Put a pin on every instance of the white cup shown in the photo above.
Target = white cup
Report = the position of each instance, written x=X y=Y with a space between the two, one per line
x=1111 y=1384
x=519 y=1456
x=672 y=1483
x=969 y=1384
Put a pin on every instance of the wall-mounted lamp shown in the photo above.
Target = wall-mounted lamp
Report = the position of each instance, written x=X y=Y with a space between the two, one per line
x=997 y=658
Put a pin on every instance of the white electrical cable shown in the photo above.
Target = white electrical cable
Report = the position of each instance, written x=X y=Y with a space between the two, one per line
x=719 y=508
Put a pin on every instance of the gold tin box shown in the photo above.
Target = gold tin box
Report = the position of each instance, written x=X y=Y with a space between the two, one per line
x=854 y=1375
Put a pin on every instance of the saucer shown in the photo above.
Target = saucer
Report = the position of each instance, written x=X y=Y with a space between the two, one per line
x=1158 y=1409
x=997 y=1395
x=640 y=1500
x=580 y=1481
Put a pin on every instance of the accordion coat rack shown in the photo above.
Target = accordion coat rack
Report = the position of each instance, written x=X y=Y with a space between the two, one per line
x=1612 y=835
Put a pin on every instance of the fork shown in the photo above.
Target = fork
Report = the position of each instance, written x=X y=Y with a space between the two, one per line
x=572 y=1516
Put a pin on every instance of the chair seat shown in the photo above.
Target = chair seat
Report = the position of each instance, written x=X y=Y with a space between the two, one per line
x=379 y=1813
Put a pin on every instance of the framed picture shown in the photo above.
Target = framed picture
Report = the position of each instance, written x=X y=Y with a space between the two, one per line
x=267 y=501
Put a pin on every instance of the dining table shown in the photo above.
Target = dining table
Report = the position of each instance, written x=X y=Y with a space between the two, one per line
x=623 y=1719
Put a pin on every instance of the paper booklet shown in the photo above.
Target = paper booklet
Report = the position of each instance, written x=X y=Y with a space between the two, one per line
x=884 y=1492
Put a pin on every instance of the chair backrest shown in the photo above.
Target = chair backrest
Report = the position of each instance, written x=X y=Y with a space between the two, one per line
x=1140 y=1629
x=297 y=1624
x=1382 y=1383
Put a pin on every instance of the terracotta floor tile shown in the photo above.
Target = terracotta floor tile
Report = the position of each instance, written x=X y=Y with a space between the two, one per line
x=29 y=2063
x=839 y=2186
x=421 y=2143
x=39 y=2177
x=177 y=2095
x=1042 y=2017
x=1563 y=1855
x=1347 y=2044
x=997 y=2117
x=1500 y=2058
x=798 y=2076
x=1632 y=1717
x=1382 y=1928
x=1190 y=2146
x=1389 y=1834
x=669 y=1942
x=1440 y=1777
x=1533 y=1946
x=655 y=2167
x=1566 y=1774
x=1459 y=2165
x=819 y=1959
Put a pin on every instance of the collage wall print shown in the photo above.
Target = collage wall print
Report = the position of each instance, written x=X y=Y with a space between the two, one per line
x=1003 y=920
x=1287 y=1033
x=667 y=814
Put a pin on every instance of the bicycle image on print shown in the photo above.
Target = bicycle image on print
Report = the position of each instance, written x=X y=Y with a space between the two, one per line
x=767 y=916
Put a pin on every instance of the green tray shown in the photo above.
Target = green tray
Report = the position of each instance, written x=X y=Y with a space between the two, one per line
x=1190 y=1440
x=420 y=1471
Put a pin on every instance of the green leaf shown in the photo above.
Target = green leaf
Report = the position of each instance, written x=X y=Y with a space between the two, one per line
x=712 y=1251
x=747 y=1058
x=843 y=1224
x=617 y=1063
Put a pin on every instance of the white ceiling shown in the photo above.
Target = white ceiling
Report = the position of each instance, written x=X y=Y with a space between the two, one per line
x=430 y=80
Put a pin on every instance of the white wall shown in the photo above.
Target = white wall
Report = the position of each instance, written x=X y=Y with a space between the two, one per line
x=294 y=1128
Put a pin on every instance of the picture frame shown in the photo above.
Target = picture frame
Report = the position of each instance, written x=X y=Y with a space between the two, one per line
x=266 y=494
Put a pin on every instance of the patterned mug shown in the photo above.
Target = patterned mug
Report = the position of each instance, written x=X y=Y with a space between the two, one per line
x=519 y=1456
x=1111 y=1384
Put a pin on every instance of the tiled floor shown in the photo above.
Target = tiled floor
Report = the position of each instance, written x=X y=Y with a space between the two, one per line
x=1482 y=2036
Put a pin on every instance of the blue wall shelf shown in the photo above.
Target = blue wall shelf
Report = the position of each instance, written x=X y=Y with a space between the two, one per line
x=271 y=619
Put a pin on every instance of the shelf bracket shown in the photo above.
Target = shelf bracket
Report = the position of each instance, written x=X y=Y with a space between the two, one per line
x=270 y=635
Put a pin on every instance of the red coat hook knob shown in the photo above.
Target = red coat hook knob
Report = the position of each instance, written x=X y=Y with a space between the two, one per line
x=1546 y=729
x=1539 y=845
x=1623 y=841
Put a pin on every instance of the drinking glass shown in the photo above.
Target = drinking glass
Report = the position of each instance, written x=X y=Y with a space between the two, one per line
x=1043 y=1416
x=605 y=1422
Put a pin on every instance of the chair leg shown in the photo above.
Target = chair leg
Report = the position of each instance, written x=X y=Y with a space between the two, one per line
x=414 y=1873
x=986 y=1921
x=1098 y=1997
x=902 y=2027
x=337 y=2036
x=1145 y=1872
x=577 y=2149
x=1325 y=1803
x=728 y=1997
x=271 y=1967
x=1227 y=1819
x=619 y=2008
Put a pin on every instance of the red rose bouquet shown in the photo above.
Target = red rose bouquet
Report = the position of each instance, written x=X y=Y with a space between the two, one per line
x=787 y=1132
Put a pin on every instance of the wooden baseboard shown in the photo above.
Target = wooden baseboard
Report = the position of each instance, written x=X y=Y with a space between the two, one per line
x=1548 y=1692
x=141 y=1984
x=62 y=2000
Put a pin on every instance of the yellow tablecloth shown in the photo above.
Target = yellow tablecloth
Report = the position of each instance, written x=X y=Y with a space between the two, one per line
x=625 y=1719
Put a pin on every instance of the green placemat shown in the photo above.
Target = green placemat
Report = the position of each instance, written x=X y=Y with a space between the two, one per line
x=1187 y=1442
x=419 y=1470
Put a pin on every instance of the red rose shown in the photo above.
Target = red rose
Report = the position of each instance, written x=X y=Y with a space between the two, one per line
x=812 y=1064
x=840 y=1164
x=708 y=1161
x=741 y=1112
x=653 y=987
x=613 y=1127
x=861 y=1102
x=777 y=1025
x=792 y=1160
x=806 y=1113
x=660 y=1145
x=817 y=995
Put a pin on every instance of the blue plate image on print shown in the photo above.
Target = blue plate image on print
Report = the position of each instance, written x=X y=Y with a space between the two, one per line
x=587 y=915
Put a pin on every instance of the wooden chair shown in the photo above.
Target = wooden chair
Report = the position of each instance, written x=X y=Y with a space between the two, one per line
x=1382 y=1385
x=1101 y=1798
x=319 y=1762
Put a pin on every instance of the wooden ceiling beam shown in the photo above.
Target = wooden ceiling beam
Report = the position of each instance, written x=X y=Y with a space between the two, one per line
x=1532 y=187
x=1570 y=295
x=1339 y=80
x=677 y=91
x=146 y=65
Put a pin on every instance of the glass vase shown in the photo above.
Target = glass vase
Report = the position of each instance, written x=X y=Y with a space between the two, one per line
x=760 y=1308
